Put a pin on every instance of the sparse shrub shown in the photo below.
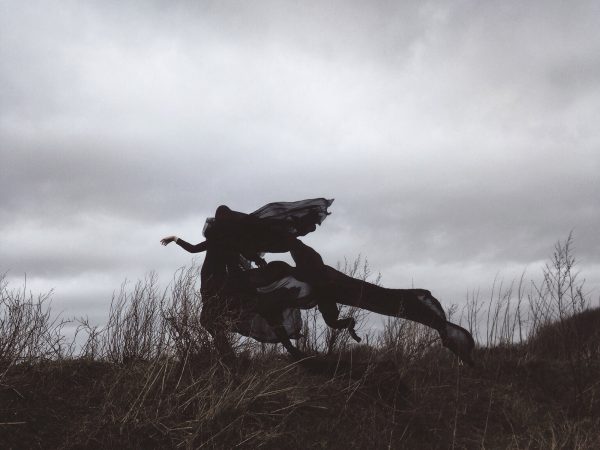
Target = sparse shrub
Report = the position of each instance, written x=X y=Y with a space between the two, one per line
x=577 y=334
x=28 y=331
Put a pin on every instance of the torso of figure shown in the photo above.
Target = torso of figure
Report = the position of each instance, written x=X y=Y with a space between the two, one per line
x=249 y=237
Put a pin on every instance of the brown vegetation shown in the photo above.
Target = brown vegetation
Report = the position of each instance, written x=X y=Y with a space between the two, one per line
x=150 y=378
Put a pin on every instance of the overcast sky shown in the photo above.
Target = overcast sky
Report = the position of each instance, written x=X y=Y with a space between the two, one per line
x=459 y=139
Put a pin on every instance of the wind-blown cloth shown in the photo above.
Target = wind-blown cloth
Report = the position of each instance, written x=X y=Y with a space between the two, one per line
x=292 y=219
x=251 y=324
x=301 y=217
x=270 y=228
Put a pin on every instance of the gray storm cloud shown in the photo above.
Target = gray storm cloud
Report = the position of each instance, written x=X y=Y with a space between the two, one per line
x=455 y=137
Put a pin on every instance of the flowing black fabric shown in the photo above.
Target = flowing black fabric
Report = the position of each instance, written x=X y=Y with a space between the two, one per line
x=413 y=304
x=274 y=228
x=300 y=217
x=234 y=238
x=253 y=325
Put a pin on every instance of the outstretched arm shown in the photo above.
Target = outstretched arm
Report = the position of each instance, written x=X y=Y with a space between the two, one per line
x=201 y=247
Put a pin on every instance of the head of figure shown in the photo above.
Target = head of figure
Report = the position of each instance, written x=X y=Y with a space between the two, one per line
x=208 y=225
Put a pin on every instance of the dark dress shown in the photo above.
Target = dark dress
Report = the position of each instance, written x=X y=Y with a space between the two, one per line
x=299 y=218
x=233 y=239
x=274 y=228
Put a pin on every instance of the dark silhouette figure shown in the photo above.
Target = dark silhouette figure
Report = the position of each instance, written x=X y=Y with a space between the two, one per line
x=235 y=239
x=234 y=294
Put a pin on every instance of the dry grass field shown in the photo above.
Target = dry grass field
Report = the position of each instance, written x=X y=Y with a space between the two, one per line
x=151 y=379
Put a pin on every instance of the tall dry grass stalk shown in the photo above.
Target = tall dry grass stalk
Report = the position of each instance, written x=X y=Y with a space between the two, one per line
x=28 y=331
x=146 y=324
x=518 y=312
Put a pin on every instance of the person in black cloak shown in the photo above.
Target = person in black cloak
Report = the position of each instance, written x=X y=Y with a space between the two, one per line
x=235 y=239
x=234 y=295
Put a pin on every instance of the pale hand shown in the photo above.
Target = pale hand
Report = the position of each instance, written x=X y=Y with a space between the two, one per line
x=167 y=240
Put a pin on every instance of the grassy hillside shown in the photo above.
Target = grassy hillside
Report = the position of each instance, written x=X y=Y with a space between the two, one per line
x=150 y=378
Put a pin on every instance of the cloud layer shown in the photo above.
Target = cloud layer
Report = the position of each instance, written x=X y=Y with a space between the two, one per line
x=460 y=140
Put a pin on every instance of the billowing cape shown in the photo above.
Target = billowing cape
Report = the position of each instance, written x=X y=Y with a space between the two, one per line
x=253 y=325
x=301 y=217
x=291 y=219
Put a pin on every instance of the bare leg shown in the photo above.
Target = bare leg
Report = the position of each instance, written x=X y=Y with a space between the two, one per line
x=330 y=313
